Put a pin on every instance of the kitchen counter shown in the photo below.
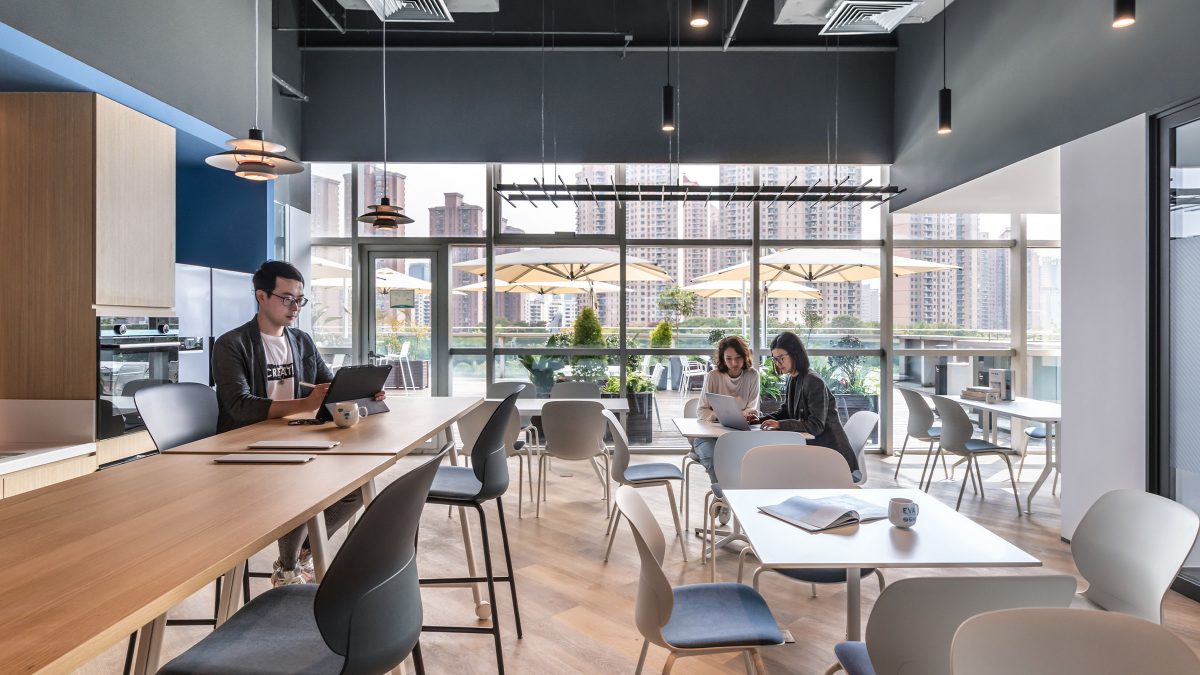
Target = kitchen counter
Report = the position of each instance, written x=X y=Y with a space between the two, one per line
x=20 y=456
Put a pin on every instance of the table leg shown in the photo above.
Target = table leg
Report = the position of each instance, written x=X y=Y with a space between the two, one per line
x=1051 y=463
x=231 y=593
x=318 y=543
x=149 y=645
x=853 y=604
x=368 y=492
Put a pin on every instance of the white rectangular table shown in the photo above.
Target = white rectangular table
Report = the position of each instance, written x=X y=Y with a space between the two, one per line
x=1046 y=412
x=533 y=406
x=941 y=538
x=692 y=428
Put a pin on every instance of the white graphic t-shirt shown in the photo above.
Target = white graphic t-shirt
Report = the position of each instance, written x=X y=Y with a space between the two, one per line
x=280 y=369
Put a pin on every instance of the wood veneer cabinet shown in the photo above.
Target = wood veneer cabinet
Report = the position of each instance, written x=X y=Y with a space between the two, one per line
x=87 y=219
x=19 y=482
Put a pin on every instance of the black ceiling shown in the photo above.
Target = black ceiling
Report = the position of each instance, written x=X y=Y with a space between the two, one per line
x=595 y=23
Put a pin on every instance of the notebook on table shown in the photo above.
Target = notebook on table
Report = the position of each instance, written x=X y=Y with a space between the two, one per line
x=826 y=513
x=264 y=458
x=294 y=444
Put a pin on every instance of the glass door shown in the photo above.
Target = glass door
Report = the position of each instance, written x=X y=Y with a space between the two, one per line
x=1175 y=459
x=404 y=309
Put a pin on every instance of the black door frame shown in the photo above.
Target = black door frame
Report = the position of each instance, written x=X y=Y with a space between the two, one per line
x=1159 y=475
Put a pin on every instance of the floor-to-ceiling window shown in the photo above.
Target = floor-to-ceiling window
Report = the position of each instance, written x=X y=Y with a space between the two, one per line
x=937 y=298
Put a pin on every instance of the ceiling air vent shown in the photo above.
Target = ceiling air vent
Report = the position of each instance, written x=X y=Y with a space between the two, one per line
x=416 y=11
x=865 y=17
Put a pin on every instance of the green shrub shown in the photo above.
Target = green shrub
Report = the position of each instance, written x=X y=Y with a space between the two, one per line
x=661 y=337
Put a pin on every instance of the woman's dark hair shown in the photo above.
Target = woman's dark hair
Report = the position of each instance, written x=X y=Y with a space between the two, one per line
x=737 y=344
x=790 y=343
x=268 y=272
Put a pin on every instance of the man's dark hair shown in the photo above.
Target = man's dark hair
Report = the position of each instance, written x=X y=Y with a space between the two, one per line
x=264 y=278
x=790 y=343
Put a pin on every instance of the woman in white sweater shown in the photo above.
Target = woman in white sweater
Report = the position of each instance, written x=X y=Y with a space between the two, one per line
x=735 y=376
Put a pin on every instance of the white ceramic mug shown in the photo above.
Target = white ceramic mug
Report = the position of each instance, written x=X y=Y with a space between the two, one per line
x=903 y=512
x=348 y=414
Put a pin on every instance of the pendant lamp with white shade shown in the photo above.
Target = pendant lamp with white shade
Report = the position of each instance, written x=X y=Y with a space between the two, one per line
x=384 y=214
x=254 y=157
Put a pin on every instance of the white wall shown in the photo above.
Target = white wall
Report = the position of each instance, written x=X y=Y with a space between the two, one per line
x=1104 y=292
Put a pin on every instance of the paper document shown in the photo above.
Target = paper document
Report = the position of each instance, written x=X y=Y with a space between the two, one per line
x=825 y=513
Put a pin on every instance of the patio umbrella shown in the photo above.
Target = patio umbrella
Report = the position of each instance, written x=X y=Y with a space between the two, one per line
x=815 y=264
x=737 y=289
x=545 y=288
x=569 y=264
x=386 y=279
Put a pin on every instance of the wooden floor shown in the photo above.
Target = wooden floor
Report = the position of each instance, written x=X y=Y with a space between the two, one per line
x=578 y=611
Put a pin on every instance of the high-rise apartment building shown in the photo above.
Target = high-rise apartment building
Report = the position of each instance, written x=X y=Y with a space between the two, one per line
x=327 y=214
x=456 y=218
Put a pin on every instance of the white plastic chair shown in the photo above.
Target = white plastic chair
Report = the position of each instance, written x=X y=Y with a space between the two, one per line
x=957 y=430
x=1055 y=641
x=798 y=467
x=642 y=475
x=691 y=410
x=913 y=621
x=691 y=370
x=922 y=428
x=858 y=430
x=405 y=366
x=697 y=618
x=727 y=465
x=574 y=432
x=1129 y=547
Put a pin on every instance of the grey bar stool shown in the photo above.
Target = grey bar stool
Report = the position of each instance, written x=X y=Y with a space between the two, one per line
x=486 y=479
x=364 y=617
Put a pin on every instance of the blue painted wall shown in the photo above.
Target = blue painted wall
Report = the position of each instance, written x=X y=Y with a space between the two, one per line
x=220 y=220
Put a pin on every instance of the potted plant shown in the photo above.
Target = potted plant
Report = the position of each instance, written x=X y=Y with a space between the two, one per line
x=543 y=370
x=662 y=337
x=853 y=384
x=588 y=333
x=770 y=389
x=639 y=391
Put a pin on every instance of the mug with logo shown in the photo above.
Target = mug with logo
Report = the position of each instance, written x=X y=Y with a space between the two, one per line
x=903 y=512
x=347 y=414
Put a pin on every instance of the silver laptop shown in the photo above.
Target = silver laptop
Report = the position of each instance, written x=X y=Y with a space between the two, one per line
x=729 y=413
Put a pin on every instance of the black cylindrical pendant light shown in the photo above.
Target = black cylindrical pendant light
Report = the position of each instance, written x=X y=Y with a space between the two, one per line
x=1124 y=13
x=668 y=108
x=944 y=111
x=699 y=14
x=944 y=95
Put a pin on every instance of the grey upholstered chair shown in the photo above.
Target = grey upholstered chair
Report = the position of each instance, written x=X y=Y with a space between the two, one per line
x=638 y=476
x=364 y=617
x=486 y=479
x=174 y=415
x=913 y=621
x=697 y=618
x=957 y=430
x=922 y=428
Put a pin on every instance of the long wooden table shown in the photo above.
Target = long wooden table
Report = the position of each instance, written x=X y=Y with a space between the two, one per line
x=91 y=560
x=410 y=423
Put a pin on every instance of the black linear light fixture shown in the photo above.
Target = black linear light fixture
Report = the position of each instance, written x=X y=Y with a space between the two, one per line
x=699 y=14
x=668 y=98
x=383 y=214
x=1124 y=13
x=944 y=95
x=531 y=194
x=254 y=157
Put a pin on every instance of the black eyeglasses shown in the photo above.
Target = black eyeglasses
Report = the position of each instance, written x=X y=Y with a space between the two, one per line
x=288 y=300
x=778 y=359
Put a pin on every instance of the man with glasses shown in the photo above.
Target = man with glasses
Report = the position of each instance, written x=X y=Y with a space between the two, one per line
x=259 y=367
